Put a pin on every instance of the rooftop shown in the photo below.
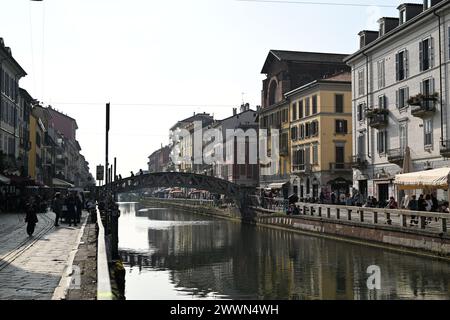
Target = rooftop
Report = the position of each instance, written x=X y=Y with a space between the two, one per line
x=302 y=56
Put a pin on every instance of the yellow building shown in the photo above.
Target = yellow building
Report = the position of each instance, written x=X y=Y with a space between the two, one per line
x=277 y=117
x=321 y=137
x=37 y=130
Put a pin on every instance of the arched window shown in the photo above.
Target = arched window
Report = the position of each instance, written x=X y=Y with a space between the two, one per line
x=272 y=92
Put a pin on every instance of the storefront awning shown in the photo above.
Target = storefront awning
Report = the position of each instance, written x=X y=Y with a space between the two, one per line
x=276 y=185
x=61 y=183
x=437 y=179
x=4 y=180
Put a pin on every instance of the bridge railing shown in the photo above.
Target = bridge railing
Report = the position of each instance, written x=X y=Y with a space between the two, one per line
x=399 y=218
x=199 y=202
x=104 y=291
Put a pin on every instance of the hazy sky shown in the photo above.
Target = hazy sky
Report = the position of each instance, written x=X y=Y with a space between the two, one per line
x=159 y=61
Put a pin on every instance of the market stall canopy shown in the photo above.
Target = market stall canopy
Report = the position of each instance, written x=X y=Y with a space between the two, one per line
x=437 y=179
x=61 y=183
x=4 y=180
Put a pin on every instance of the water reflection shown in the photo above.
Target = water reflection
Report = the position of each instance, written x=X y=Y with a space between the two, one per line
x=179 y=255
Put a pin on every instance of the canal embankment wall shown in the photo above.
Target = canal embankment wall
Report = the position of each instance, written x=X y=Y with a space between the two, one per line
x=375 y=227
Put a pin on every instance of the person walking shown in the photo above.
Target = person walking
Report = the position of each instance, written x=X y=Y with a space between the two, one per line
x=413 y=205
x=71 y=207
x=31 y=216
x=79 y=207
x=392 y=204
x=57 y=208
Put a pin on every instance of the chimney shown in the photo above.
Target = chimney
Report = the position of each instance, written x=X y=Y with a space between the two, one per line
x=234 y=111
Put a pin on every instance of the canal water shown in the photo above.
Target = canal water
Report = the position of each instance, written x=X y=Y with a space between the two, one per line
x=172 y=255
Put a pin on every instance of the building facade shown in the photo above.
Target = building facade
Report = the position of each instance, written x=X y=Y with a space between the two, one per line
x=158 y=161
x=246 y=171
x=320 y=134
x=400 y=98
x=10 y=74
x=286 y=71
x=184 y=146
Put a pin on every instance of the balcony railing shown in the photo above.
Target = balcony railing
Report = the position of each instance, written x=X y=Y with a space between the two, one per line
x=378 y=118
x=396 y=156
x=298 y=167
x=424 y=109
x=340 y=166
x=359 y=162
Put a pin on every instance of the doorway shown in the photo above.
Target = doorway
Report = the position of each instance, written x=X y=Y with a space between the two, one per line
x=383 y=193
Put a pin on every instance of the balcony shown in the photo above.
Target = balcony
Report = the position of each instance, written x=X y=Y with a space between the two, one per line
x=378 y=118
x=359 y=162
x=340 y=167
x=445 y=149
x=423 y=105
x=396 y=156
x=298 y=168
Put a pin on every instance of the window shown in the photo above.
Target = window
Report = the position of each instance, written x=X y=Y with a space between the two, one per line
x=307 y=107
x=426 y=54
x=341 y=126
x=362 y=41
x=403 y=135
x=402 y=16
x=302 y=131
x=294 y=133
x=402 y=97
x=382 y=102
x=361 y=82
x=340 y=157
x=381 y=74
x=300 y=109
x=382 y=28
x=307 y=130
x=284 y=115
x=427 y=87
x=294 y=111
x=339 y=103
x=381 y=141
x=314 y=104
x=401 y=64
x=315 y=159
x=314 y=128
x=360 y=111
x=361 y=144
x=428 y=132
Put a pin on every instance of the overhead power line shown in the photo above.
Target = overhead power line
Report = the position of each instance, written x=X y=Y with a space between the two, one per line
x=321 y=3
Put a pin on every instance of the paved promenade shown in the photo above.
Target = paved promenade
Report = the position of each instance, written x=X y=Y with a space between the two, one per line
x=37 y=267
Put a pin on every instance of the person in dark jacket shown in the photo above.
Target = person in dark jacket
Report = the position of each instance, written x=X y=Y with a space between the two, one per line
x=421 y=204
x=79 y=205
x=31 y=217
x=57 y=208
x=71 y=207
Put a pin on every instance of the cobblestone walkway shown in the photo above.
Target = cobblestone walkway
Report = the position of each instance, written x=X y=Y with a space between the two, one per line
x=31 y=268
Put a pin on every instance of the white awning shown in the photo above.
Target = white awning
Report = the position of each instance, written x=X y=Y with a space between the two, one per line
x=4 y=179
x=437 y=179
x=277 y=185
x=61 y=183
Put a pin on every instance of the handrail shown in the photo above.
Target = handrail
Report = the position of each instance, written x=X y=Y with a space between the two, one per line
x=379 y=210
x=104 y=291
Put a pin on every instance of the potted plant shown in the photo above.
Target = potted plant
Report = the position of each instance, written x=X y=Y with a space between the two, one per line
x=416 y=100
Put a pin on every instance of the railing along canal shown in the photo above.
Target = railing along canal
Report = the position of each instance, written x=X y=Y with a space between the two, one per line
x=436 y=223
